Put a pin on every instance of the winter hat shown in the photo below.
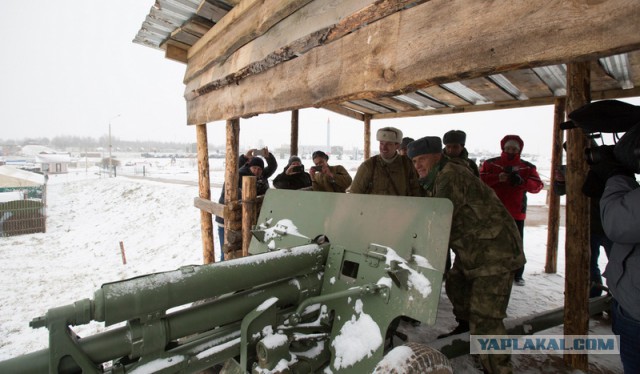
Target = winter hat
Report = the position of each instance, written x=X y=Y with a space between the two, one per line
x=405 y=142
x=454 y=137
x=389 y=134
x=256 y=161
x=517 y=142
x=320 y=154
x=293 y=159
x=424 y=146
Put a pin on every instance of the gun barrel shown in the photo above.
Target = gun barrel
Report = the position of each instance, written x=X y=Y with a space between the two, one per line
x=228 y=310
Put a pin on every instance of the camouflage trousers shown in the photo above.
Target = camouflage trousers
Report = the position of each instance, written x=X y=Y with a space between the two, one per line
x=483 y=302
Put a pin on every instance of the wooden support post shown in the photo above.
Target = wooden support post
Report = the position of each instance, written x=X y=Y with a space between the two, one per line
x=576 y=296
x=231 y=221
x=367 y=136
x=249 y=217
x=294 y=133
x=554 y=200
x=124 y=256
x=204 y=192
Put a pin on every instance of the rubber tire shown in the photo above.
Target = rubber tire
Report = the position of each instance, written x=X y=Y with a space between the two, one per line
x=424 y=360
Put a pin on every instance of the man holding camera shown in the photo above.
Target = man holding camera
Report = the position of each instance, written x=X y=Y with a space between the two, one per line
x=250 y=165
x=293 y=177
x=511 y=178
x=328 y=178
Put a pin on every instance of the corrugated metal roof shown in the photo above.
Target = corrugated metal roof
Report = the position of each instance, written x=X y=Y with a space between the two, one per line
x=165 y=16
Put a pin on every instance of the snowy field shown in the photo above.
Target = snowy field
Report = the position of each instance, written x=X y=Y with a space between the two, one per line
x=154 y=218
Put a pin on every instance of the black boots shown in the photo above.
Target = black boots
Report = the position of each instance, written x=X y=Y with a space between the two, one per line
x=463 y=326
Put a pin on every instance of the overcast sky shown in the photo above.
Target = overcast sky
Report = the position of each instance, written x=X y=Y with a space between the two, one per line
x=70 y=68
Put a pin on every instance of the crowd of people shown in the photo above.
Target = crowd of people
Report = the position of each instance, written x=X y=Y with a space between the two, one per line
x=489 y=210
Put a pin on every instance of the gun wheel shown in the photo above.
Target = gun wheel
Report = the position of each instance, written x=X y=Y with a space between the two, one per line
x=414 y=358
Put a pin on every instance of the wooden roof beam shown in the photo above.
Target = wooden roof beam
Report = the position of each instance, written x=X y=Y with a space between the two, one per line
x=420 y=46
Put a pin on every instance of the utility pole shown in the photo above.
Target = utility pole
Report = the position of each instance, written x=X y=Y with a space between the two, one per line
x=110 y=145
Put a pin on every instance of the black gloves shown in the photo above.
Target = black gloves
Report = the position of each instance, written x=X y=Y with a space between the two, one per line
x=515 y=179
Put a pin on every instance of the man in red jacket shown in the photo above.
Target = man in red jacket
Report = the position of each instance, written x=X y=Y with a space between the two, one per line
x=511 y=178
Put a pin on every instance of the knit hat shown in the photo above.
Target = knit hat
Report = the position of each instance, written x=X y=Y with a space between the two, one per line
x=256 y=161
x=293 y=159
x=405 y=142
x=517 y=142
x=454 y=137
x=320 y=154
x=424 y=146
x=389 y=134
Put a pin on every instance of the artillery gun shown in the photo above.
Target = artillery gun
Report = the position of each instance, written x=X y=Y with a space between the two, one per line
x=328 y=277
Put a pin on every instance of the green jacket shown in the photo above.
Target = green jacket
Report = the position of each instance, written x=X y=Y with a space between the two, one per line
x=483 y=236
x=469 y=162
x=378 y=177
x=341 y=180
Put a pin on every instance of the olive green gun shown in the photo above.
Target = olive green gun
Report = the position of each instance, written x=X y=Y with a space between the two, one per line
x=328 y=275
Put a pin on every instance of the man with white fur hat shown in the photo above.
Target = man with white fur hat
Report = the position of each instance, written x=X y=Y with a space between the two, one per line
x=388 y=173
x=483 y=237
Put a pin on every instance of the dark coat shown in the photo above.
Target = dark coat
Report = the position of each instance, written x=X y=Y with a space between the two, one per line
x=262 y=184
x=294 y=181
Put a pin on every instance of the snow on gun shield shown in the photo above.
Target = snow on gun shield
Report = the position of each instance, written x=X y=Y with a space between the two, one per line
x=327 y=276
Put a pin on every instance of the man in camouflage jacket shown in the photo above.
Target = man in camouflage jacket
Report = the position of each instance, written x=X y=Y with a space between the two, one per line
x=484 y=239
x=388 y=173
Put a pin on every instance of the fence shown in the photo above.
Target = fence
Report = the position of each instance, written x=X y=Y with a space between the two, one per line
x=20 y=217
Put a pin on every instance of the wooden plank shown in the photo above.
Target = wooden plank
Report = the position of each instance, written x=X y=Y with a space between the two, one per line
x=334 y=72
x=395 y=104
x=212 y=10
x=469 y=108
x=600 y=80
x=528 y=82
x=175 y=53
x=245 y=22
x=372 y=106
x=488 y=89
x=183 y=36
x=359 y=108
x=209 y=206
x=445 y=96
x=634 y=67
x=319 y=22
x=197 y=26
x=345 y=112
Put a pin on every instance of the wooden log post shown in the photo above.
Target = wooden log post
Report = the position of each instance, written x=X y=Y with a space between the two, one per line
x=551 y=264
x=232 y=221
x=367 y=136
x=204 y=192
x=294 y=133
x=576 y=316
x=249 y=211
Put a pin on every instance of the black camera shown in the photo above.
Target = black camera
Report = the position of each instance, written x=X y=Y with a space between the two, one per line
x=298 y=169
x=610 y=116
x=514 y=177
x=317 y=169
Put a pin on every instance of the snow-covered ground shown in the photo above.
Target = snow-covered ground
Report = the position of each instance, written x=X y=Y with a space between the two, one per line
x=90 y=215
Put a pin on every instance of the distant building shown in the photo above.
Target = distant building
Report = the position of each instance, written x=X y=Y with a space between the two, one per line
x=57 y=163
